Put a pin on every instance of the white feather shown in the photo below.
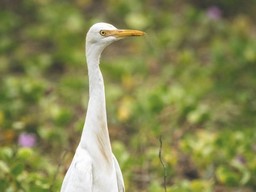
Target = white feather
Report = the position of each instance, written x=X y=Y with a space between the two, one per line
x=94 y=168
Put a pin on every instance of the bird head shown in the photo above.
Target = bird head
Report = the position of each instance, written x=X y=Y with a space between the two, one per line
x=103 y=34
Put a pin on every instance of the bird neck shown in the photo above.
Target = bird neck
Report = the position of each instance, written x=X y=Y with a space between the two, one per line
x=95 y=136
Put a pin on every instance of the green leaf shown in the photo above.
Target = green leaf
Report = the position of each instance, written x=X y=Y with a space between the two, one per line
x=4 y=168
x=17 y=169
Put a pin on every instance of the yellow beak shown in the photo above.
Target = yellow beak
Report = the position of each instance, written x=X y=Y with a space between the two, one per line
x=121 y=33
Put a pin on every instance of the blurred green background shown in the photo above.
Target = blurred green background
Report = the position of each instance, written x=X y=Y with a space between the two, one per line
x=191 y=80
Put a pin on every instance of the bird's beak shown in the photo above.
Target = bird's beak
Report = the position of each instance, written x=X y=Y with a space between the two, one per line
x=121 y=33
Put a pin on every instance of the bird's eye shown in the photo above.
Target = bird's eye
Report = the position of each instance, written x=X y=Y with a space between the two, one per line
x=103 y=33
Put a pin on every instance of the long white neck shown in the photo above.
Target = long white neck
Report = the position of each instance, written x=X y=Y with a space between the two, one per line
x=95 y=136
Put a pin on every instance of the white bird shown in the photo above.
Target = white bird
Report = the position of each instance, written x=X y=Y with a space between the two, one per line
x=94 y=168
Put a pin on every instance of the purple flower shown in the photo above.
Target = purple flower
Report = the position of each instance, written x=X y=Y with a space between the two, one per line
x=241 y=159
x=27 y=139
x=214 y=13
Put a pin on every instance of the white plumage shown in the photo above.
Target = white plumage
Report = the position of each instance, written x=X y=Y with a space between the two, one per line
x=94 y=168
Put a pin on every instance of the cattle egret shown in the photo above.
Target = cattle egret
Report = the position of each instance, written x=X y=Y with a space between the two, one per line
x=94 y=168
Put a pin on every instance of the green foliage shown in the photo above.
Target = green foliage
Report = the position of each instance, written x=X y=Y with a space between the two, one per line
x=191 y=80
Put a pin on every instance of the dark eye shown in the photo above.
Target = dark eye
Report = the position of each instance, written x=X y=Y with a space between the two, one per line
x=103 y=33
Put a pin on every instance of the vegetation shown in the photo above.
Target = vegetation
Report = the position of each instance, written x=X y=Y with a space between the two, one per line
x=190 y=81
